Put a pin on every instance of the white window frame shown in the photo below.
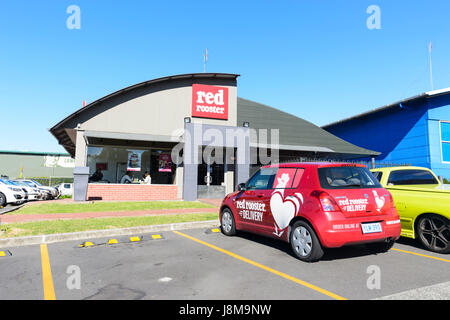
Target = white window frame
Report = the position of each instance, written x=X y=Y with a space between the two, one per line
x=442 y=141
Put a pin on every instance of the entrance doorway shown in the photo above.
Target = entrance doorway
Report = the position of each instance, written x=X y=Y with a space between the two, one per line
x=211 y=177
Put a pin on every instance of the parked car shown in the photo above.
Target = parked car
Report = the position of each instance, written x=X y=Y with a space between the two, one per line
x=50 y=192
x=11 y=195
x=314 y=206
x=65 y=189
x=423 y=204
x=33 y=193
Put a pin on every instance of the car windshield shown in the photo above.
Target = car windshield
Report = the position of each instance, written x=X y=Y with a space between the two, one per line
x=36 y=183
x=30 y=184
x=347 y=178
x=6 y=182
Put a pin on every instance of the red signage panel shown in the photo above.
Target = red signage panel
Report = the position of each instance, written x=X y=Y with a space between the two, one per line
x=209 y=102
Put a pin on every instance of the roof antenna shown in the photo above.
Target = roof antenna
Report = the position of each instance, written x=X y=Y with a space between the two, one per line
x=205 y=60
x=430 y=48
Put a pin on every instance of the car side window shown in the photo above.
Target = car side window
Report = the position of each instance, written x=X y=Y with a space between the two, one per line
x=411 y=177
x=263 y=179
x=287 y=178
x=378 y=175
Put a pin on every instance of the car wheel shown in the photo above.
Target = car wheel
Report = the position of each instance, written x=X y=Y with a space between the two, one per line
x=228 y=225
x=434 y=233
x=380 y=247
x=304 y=242
x=2 y=200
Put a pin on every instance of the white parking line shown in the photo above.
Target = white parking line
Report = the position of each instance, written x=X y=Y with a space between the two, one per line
x=439 y=291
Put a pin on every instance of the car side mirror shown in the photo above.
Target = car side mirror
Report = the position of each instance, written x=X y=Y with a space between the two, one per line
x=242 y=187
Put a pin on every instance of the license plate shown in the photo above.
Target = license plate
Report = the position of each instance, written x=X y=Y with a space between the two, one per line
x=371 y=227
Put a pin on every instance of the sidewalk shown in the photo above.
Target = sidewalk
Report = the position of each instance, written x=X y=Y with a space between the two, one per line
x=86 y=215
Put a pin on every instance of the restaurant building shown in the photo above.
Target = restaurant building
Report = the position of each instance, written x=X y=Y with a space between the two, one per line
x=193 y=135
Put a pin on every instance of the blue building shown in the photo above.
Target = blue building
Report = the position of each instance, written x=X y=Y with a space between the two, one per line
x=415 y=130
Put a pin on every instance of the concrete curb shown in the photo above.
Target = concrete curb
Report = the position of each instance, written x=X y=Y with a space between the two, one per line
x=10 y=208
x=51 y=238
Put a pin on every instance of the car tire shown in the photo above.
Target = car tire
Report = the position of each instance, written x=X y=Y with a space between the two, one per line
x=2 y=200
x=380 y=247
x=304 y=242
x=228 y=225
x=433 y=232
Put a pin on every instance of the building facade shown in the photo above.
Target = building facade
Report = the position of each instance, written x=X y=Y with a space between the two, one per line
x=14 y=164
x=191 y=133
x=414 y=131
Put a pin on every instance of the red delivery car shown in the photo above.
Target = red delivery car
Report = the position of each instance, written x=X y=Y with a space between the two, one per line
x=314 y=206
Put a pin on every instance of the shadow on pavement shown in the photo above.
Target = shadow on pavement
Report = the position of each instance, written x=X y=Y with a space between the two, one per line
x=330 y=254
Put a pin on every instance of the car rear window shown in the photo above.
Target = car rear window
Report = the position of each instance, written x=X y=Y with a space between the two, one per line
x=347 y=178
x=414 y=177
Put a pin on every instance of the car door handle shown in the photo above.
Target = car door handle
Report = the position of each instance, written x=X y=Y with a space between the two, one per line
x=260 y=195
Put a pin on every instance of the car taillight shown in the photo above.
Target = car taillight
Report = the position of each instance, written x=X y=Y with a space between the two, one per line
x=326 y=201
x=391 y=199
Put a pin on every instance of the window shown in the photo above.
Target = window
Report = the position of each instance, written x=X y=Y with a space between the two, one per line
x=411 y=177
x=262 y=179
x=287 y=178
x=347 y=178
x=445 y=141
x=378 y=175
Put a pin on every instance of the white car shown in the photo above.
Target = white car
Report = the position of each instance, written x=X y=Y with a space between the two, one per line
x=65 y=189
x=52 y=193
x=11 y=195
x=33 y=193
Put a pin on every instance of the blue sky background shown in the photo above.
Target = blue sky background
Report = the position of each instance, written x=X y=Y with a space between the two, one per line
x=314 y=59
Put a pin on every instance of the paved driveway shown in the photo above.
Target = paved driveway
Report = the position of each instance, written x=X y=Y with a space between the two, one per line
x=201 y=264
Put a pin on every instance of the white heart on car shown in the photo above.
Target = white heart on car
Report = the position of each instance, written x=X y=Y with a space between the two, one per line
x=282 y=210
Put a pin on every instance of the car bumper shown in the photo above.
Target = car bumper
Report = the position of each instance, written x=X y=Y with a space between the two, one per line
x=347 y=231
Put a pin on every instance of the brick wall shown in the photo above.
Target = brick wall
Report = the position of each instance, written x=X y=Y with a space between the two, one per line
x=131 y=192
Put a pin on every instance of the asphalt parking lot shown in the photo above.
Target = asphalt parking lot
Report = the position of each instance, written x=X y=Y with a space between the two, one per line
x=201 y=264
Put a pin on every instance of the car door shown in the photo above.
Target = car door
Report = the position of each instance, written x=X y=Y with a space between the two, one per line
x=284 y=201
x=253 y=204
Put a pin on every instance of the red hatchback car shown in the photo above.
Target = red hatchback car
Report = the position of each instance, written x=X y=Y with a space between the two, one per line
x=314 y=206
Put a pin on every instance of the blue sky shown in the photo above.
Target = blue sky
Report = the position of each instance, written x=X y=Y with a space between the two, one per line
x=314 y=59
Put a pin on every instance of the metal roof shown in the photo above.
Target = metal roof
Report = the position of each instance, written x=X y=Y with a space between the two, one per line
x=143 y=84
x=65 y=136
x=294 y=131
x=392 y=106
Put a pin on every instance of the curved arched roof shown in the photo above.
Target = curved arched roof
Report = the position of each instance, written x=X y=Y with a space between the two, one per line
x=294 y=131
x=66 y=135
x=227 y=76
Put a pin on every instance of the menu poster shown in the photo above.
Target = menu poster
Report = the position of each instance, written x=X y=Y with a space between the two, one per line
x=102 y=166
x=165 y=162
x=134 y=160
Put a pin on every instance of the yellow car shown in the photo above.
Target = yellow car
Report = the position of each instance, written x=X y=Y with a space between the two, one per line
x=422 y=202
